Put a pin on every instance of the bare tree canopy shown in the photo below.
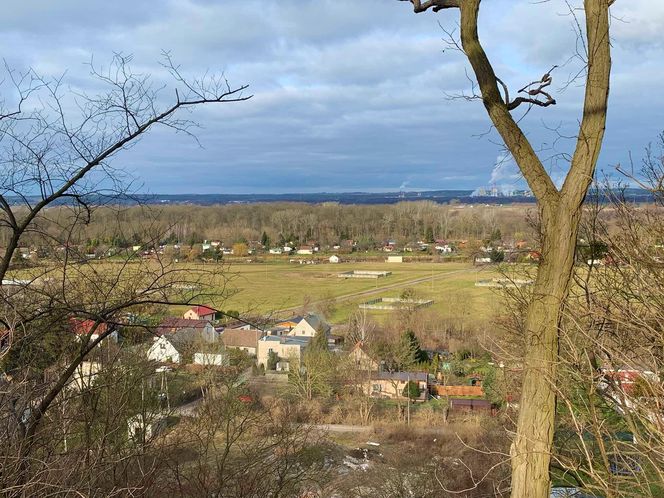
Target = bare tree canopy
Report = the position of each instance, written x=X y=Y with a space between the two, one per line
x=56 y=148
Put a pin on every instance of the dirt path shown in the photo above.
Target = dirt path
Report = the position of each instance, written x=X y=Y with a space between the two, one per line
x=345 y=428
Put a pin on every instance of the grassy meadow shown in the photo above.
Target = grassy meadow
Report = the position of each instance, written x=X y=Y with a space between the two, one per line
x=284 y=287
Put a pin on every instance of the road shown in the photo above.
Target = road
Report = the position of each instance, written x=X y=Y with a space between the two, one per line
x=378 y=290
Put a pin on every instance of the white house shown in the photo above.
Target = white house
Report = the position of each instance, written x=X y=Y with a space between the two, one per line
x=309 y=326
x=84 y=375
x=395 y=259
x=164 y=351
x=305 y=250
x=276 y=250
x=211 y=359
x=178 y=347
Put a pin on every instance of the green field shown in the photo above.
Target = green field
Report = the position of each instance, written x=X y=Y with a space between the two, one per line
x=284 y=287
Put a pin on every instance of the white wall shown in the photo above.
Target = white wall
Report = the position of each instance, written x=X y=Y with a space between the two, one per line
x=210 y=359
x=163 y=351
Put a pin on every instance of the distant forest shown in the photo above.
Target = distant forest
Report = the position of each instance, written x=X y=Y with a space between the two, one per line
x=274 y=224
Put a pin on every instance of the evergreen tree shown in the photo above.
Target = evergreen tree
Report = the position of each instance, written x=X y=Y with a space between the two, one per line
x=318 y=342
x=411 y=390
x=272 y=360
x=413 y=344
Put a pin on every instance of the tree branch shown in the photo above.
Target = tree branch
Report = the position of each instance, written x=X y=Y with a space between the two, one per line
x=437 y=5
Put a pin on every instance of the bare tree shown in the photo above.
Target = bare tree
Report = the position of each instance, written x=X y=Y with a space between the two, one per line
x=56 y=149
x=610 y=439
x=560 y=212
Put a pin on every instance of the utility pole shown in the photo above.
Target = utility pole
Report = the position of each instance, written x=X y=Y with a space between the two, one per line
x=408 y=400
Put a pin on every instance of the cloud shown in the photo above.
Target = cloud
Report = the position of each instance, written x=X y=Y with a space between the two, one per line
x=347 y=95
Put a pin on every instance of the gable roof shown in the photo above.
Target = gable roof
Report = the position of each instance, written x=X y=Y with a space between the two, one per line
x=203 y=310
x=316 y=322
x=241 y=338
x=295 y=319
x=80 y=326
x=183 y=338
x=172 y=324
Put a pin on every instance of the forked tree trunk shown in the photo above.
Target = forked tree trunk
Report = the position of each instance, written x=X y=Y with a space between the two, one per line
x=531 y=449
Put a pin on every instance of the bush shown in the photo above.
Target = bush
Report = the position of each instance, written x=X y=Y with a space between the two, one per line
x=411 y=390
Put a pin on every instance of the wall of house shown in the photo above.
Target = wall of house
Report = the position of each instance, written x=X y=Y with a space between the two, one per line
x=250 y=351
x=303 y=329
x=284 y=351
x=210 y=359
x=388 y=388
x=163 y=351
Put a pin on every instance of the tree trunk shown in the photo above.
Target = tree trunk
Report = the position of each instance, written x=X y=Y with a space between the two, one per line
x=531 y=449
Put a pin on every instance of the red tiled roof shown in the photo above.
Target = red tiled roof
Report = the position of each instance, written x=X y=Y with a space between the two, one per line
x=80 y=326
x=203 y=310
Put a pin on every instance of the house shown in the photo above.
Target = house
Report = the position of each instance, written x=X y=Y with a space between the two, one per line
x=334 y=259
x=362 y=360
x=142 y=428
x=392 y=384
x=286 y=348
x=211 y=359
x=276 y=250
x=173 y=325
x=90 y=329
x=84 y=375
x=395 y=259
x=444 y=248
x=242 y=338
x=305 y=250
x=309 y=326
x=200 y=313
x=164 y=350
x=290 y=323
x=179 y=346
x=280 y=330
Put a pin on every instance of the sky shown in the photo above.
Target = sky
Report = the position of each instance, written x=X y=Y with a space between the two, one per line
x=348 y=95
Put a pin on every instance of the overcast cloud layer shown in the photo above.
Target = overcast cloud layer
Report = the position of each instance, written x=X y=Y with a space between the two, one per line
x=348 y=95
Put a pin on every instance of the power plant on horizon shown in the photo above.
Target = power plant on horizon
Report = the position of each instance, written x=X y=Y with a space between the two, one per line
x=495 y=191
